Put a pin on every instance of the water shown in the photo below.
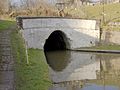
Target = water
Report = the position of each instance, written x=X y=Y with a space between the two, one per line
x=74 y=70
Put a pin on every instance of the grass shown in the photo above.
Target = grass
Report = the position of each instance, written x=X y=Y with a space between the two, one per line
x=33 y=76
x=104 y=47
x=111 y=13
x=5 y=24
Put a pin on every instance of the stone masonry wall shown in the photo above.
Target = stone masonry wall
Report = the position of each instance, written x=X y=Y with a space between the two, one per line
x=79 y=32
x=111 y=37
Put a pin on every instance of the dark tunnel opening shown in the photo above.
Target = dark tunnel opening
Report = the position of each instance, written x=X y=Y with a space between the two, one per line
x=56 y=41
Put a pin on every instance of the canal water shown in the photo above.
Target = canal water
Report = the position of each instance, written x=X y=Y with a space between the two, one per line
x=74 y=70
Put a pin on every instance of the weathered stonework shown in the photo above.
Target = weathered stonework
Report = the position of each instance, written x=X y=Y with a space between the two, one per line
x=79 y=32
x=110 y=37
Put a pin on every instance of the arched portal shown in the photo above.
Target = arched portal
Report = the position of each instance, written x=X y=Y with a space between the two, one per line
x=56 y=41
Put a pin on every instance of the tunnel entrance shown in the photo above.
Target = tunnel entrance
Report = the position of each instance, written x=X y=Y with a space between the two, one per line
x=56 y=41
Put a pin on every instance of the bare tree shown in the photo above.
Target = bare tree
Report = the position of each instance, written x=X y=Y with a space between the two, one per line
x=66 y=1
x=4 y=6
x=37 y=7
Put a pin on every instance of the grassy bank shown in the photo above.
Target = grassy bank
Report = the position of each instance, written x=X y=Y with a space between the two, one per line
x=111 y=14
x=5 y=24
x=33 y=76
x=111 y=11
x=104 y=47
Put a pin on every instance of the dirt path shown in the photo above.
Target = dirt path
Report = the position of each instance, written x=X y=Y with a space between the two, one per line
x=6 y=62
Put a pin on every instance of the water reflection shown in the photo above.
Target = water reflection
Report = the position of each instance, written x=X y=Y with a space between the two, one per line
x=58 y=60
x=72 y=70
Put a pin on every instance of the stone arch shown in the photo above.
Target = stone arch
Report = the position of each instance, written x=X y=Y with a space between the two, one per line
x=57 y=40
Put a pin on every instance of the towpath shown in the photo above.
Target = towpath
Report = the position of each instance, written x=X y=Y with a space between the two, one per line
x=6 y=62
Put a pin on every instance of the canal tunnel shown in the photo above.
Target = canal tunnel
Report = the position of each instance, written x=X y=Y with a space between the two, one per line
x=56 y=41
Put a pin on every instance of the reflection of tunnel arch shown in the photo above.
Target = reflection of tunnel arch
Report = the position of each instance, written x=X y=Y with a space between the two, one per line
x=58 y=60
x=56 y=41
